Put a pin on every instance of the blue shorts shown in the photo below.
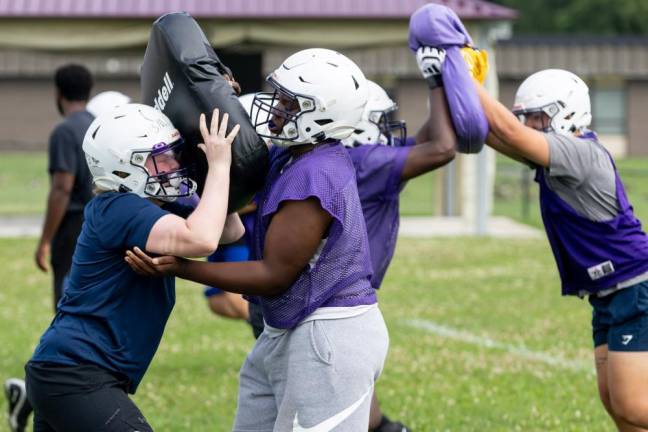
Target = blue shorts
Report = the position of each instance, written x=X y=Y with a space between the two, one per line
x=620 y=320
x=227 y=253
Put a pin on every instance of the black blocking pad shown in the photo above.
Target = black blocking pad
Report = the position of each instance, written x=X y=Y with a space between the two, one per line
x=183 y=77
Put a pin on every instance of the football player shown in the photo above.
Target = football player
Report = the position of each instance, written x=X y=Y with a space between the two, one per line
x=315 y=364
x=110 y=320
x=599 y=246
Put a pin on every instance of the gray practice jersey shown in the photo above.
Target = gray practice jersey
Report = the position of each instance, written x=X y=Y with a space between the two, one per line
x=581 y=173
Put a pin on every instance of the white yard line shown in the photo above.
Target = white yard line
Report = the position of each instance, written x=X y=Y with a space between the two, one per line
x=518 y=350
x=497 y=226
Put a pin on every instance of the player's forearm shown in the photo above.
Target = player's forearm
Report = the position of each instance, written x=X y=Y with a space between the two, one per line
x=233 y=229
x=57 y=203
x=436 y=140
x=501 y=122
x=249 y=277
x=497 y=145
x=438 y=128
x=207 y=221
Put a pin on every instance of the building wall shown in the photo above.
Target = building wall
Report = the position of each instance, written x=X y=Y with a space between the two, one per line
x=637 y=125
x=507 y=89
x=411 y=106
x=615 y=69
x=27 y=113
x=28 y=110
x=586 y=56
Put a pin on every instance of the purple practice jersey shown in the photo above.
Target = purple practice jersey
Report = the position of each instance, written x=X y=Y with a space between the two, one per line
x=378 y=174
x=593 y=256
x=339 y=273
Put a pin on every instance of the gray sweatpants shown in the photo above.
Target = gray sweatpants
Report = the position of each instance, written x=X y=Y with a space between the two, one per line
x=317 y=377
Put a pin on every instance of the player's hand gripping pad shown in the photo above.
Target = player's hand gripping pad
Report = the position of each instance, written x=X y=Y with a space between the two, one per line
x=435 y=25
x=182 y=76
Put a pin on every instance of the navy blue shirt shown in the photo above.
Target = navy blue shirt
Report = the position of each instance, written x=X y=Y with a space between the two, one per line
x=110 y=316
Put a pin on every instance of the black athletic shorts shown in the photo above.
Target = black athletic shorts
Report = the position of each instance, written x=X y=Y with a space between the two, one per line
x=80 y=399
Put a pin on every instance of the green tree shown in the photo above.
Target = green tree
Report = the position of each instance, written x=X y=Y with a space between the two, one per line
x=599 y=17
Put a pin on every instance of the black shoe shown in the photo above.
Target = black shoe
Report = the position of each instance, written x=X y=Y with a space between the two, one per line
x=19 y=408
x=392 y=426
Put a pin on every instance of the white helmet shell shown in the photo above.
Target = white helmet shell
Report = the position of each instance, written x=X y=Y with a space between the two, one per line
x=117 y=145
x=328 y=90
x=105 y=102
x=368 y=130
x=560 y=94
x=246 y=101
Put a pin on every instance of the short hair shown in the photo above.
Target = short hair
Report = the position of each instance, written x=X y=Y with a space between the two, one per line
x=74 y=82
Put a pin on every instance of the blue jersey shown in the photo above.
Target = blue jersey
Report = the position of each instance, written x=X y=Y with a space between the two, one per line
x=109 y=316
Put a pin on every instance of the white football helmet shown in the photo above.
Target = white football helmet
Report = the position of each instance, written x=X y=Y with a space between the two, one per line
x=246 y=101
x=105 y=101
x=375 y=126
x=319 y=95
x=118 y=144
x=560 y=94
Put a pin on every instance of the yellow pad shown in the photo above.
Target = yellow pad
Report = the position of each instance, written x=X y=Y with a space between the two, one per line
x=477 y=62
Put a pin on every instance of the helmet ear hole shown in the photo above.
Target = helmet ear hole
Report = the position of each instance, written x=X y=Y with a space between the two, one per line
x=121 y=174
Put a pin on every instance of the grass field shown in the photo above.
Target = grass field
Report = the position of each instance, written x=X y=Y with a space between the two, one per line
x=480 y=338
x=24 y=183
x=494 y=347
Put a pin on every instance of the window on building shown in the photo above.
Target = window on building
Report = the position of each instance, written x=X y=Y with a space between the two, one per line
x=609 y=108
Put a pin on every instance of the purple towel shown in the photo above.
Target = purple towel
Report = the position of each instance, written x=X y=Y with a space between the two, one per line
x=438 y=26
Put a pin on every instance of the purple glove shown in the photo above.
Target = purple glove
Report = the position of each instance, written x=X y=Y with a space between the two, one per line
x=436 y=26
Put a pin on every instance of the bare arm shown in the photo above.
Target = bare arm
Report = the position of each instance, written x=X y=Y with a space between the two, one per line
x=248 y=208
x=200 y=233
x=293 y=237
x=497 y=145
x=435 y=142
x=233 y=229
x=515 y=139
x=57 y=202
